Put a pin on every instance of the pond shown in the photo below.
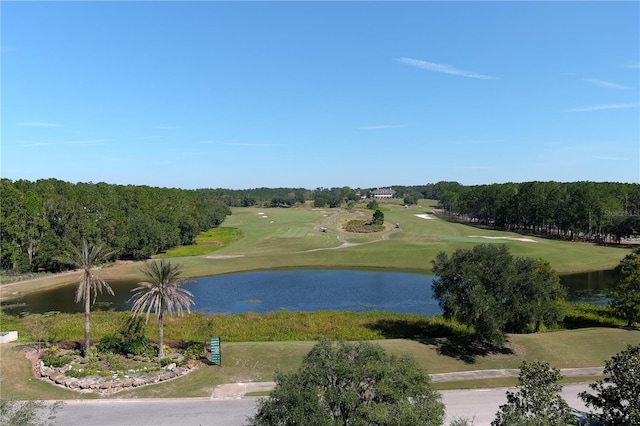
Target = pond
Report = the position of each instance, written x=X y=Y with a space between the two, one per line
x=303 y=290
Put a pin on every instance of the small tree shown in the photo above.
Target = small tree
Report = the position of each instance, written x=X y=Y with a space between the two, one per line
x=40 y=327
x=625 y=292
x=378 y=218
x=352 y=383
x=87 y=258
x=617 y=397
x=410 y=199
x=538 y=401
x=162 y=293
x=372 y=205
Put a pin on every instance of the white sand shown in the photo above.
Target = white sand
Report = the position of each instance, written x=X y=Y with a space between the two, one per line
x=526 y=240
x=423 y=216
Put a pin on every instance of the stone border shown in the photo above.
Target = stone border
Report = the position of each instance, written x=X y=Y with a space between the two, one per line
x=110 y=384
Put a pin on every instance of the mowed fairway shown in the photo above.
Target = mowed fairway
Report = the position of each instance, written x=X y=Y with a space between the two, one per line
x=283 y=238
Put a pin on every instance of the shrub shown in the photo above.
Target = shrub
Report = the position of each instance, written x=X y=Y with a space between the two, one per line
x=192 y=350
x=56 y=361
x=110 y=343
x=79 y=373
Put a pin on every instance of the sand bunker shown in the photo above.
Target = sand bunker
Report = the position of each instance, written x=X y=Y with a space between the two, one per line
x=423 y=216
x=526 y=240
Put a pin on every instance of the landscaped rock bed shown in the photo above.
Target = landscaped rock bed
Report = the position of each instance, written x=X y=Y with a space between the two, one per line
x=94 y=375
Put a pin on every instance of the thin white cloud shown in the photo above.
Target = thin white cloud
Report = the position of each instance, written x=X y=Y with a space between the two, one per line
x=38 y=124
x=207 y=142
x=443 y=68
x=382 y=126
x=606 y=84
x=254 y=144
x=612 y=158
x=602 y=107
x=90 y=142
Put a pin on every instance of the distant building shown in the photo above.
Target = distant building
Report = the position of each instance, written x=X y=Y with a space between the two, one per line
x=383 y=193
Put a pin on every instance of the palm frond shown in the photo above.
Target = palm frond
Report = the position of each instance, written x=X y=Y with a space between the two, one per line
x=162 y=293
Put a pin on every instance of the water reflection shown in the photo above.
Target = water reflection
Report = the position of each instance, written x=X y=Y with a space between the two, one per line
x=303 y=290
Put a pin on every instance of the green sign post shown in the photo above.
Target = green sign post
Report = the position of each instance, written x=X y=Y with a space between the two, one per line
x=215 y=351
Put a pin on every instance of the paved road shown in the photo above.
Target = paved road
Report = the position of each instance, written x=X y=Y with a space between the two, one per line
x=480 y=404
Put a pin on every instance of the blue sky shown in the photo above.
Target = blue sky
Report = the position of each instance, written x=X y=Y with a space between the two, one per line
x=320 y=94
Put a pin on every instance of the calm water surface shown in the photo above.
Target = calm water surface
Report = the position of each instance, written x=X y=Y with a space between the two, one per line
x=303 y=290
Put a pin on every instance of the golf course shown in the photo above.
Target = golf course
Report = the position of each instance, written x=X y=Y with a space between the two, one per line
x=259 y=238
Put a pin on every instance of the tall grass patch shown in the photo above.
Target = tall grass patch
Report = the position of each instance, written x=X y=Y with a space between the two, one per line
x=251 y=327
x=206 y=243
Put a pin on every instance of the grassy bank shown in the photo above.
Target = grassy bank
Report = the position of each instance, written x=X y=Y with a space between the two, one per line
x=282 y=325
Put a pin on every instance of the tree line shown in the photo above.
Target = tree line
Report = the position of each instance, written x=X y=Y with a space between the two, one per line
x=591 y=211
x=44 y=218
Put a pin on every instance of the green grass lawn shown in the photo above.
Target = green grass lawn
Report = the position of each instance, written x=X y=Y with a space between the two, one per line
x=258 y=361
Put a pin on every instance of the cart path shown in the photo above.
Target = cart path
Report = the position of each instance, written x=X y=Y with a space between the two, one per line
x=239 y=390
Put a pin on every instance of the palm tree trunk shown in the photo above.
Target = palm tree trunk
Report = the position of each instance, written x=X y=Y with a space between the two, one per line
x=87 y=318
x=160 y=335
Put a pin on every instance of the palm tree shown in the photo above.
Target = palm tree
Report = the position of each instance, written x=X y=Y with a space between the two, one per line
x=161 y=293
x=86 y=259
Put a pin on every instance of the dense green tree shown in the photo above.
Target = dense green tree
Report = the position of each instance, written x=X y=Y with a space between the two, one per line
x=537 y=295
x=625 y=291
x=575 y=210
x=378 y=217
x=471 y=288
x=323 y=197
x=352 y=384
x=490 y=290
x=538 y=401
x=87 y=258
x=410 y=199
x=372 y=205
x=616 y=399
x=40 y=219
x=162 y=293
